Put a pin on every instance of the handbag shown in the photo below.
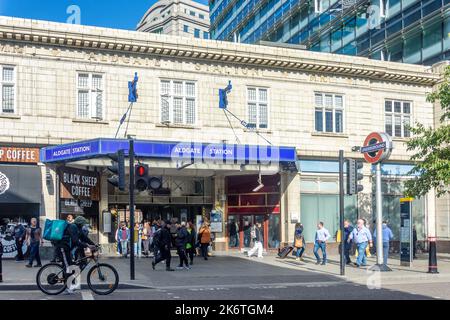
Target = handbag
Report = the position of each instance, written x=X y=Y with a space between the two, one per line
x=298 y=243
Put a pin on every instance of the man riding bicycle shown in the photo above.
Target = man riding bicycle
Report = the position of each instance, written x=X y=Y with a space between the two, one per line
x=74 y=240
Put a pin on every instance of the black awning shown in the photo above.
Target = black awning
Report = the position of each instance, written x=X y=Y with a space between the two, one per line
x=20 y=184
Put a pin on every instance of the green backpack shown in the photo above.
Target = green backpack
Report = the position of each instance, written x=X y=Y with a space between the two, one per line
x=54 y=229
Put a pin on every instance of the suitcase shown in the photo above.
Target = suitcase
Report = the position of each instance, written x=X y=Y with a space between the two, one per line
x=285 y=251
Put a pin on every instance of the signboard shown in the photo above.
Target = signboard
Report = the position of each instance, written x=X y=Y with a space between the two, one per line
x=79 y=184
x=377 y=147
x=170 y=150
x=19 y=155
x=216 y=221
x=107 y=222
x=406 y=254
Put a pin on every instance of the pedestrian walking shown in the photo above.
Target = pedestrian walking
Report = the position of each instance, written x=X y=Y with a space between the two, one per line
x=348 y=228
x=321 y=238
x=362 y=238
x=299 y=241
x=257 y=238
x=162 y=240
x=34 y=241
x=414 y=242
x=119 y=247
x=190 y=243
x=1 y=257
x=137 y=236
x=146 y=237
x=204 y=237
x=124 y=236
x=19 y=237
x=387 y=236
x=180 y=243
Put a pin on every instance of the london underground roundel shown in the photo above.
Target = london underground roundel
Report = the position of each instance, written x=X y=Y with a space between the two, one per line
x=377 y=147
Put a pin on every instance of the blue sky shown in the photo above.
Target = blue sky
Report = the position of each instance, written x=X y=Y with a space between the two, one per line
x=120 y=14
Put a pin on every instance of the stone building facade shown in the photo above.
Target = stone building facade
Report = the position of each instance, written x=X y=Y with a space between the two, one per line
x=70 y=84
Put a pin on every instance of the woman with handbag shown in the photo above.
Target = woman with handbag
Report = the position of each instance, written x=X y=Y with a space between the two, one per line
x=299 y=241
x=204 y=237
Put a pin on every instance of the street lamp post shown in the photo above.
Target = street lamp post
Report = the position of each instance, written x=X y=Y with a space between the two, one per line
x=131 y=191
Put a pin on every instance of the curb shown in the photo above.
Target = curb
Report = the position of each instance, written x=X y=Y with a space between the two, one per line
x=33 y=287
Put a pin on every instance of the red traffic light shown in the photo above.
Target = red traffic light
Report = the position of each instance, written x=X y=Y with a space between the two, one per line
x=141 y=171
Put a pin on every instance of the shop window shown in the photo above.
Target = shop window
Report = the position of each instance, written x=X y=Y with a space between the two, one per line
x=90 y=96
x=258 y=108
x=178 y=102
x=397 y=118
x=8 y=87
x=329 y=112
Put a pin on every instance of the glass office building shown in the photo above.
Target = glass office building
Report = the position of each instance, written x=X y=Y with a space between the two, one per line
x=410 y=31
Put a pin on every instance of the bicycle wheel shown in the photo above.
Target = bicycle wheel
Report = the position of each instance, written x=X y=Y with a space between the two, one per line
x=50 y=279
x=103 y=279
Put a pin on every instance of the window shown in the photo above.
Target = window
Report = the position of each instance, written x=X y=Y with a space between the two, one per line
x=329 y=112
x=186 y=28
x=258 y=110
x=178 y=102
x=197 y=33
x=8 y=88
x=205 y=35
x=192 y=13
x=90 y=96
x=397 y=118
x=201 y=16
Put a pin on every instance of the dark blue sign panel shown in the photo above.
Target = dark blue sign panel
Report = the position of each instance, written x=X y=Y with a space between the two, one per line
x=226 y=153
x=405 y=232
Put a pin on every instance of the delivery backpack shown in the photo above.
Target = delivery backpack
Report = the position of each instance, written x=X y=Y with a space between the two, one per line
x=54 y=229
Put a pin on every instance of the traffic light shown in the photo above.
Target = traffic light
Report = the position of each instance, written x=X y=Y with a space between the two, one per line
x=354 y=176
x=118 y=169
x=141 y=177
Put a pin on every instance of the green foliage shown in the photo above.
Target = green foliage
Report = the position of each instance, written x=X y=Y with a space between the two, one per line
x=432 y=149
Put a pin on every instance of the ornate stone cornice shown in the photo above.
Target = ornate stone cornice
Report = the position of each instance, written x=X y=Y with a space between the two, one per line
x=25 y=31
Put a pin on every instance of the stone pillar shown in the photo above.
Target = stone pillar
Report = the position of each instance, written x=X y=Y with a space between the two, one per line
x=220 y=204
x=430 y=213
x=290 y=205
x=49 y=195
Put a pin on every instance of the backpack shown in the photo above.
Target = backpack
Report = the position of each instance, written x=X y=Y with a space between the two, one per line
x=54 y=229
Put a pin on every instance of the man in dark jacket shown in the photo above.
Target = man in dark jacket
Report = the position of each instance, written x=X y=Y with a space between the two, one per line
x=74 y=238
x=347 y=245
x=163 y=240
x=180 y=242
x=19 y=236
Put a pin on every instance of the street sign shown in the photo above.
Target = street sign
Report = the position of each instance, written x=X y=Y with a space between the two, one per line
x=377 y=147
x=374 y=147
x=406 y=232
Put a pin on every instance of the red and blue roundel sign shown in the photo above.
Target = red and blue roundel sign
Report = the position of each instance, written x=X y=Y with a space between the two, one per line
x=377 y=147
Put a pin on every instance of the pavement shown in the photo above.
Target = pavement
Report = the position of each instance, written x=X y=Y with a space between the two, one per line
x=233 y=276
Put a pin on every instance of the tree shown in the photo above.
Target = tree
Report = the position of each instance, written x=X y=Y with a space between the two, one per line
x=432 y=149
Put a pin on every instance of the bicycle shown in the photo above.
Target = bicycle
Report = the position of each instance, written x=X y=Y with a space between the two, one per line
x=52 y=278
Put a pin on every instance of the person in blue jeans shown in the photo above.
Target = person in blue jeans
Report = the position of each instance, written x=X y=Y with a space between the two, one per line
x=299 y=241
x=34 y=241
x=387 y=236
x=322 y=236
x=362 y=237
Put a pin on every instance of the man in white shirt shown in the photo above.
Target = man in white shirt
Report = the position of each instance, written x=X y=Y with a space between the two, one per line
x=322 y=236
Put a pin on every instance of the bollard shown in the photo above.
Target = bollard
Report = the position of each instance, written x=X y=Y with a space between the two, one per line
x=432 y=255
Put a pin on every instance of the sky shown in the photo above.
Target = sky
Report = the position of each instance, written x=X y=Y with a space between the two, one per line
x=119 y=14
